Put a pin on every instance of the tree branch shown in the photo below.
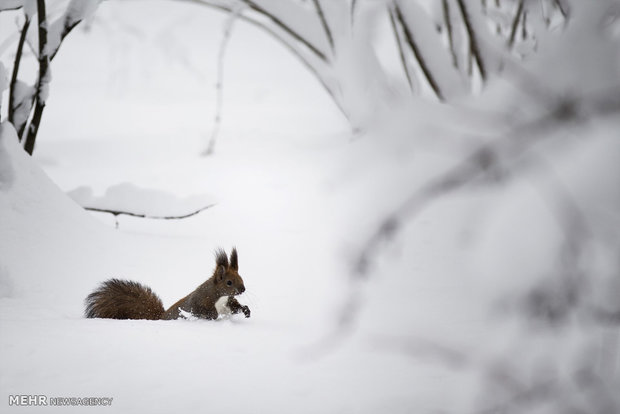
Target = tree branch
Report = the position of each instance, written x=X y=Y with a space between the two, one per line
x=479 y=164
x=220 y=81
x=473 y=41
x=448 y=22
x=515 y=24
x=43 y=81
x=401 y=52
x=139 y=215
x=562 y=8
x=353 y=6
x=305 y=60
x=279 y=23
x=416 y=52
x=328 y=32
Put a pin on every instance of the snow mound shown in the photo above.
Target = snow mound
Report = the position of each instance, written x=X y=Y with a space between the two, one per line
x=36 y=218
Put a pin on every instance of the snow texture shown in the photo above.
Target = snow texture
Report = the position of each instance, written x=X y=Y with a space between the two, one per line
x=498 y=296
x=4 y=80
x=7 y=133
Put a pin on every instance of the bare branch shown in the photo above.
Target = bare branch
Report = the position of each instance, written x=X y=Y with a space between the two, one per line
x=279 y=23
x=473 y=41
x=448 y=22
x=220 y=81
x=563 y=9
x=353 y=6
x=139 y=215
x=480 y=164
x=416 y=52
x=326 y=28
x=288 y=43
x=515 y=24
x=42 y=83
x=401 y=52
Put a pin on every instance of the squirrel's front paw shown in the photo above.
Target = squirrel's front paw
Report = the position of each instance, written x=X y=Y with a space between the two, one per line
x=246 y=311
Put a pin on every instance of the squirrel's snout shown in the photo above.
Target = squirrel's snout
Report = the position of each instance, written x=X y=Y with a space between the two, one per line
x=241 y=289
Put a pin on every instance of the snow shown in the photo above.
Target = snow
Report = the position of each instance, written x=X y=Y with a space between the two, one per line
x=436 y=325
x=4 y=84
x=128 y=197
x=23 y=95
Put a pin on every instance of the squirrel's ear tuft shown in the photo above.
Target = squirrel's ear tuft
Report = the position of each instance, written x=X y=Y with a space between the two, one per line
x=219 y=273
x=234 y=260
x=221 y=259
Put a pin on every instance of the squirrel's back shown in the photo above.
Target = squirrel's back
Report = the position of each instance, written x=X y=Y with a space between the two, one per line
x=123 y=299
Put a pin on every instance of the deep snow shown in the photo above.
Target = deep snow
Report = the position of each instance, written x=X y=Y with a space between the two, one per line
x=297 y=193
x=130 y=112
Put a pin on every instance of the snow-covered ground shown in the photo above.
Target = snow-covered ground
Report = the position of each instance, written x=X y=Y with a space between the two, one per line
x=130 y=112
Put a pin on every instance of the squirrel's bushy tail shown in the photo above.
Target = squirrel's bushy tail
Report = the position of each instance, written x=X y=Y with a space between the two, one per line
x=123 y=299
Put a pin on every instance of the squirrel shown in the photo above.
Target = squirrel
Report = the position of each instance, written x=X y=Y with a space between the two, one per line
x=123 y=299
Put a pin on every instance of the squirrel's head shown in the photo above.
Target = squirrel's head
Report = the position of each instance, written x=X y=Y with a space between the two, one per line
x=226 y=275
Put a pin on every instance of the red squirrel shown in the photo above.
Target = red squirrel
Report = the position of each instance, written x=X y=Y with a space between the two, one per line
x=123 y=299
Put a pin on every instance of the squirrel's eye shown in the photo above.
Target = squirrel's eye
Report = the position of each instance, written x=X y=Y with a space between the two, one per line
x=229 y=283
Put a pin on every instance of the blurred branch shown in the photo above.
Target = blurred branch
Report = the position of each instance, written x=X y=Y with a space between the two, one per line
x=563 y=9
x=353 y=6
x=422 y=348
x=473 y=41
x=416 y=52
x=328 y=32
x=483 y=162
x=401 y=52
x=515 y=24
x=445 y=7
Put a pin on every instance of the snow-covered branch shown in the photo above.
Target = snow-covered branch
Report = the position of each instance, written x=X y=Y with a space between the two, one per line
x=27 y=103
x=148 y=216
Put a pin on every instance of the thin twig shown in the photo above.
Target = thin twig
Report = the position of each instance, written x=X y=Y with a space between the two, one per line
x=562 y=8
x=416 y=52
x=65 y=31
x=147 y=216
x=18 y=59
x=473 y=41
x=279 y=23
x=449 y=31
x=401 y=52
x=287 y=43
x=328 y=32
x=217 y=122
x=515 y=24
